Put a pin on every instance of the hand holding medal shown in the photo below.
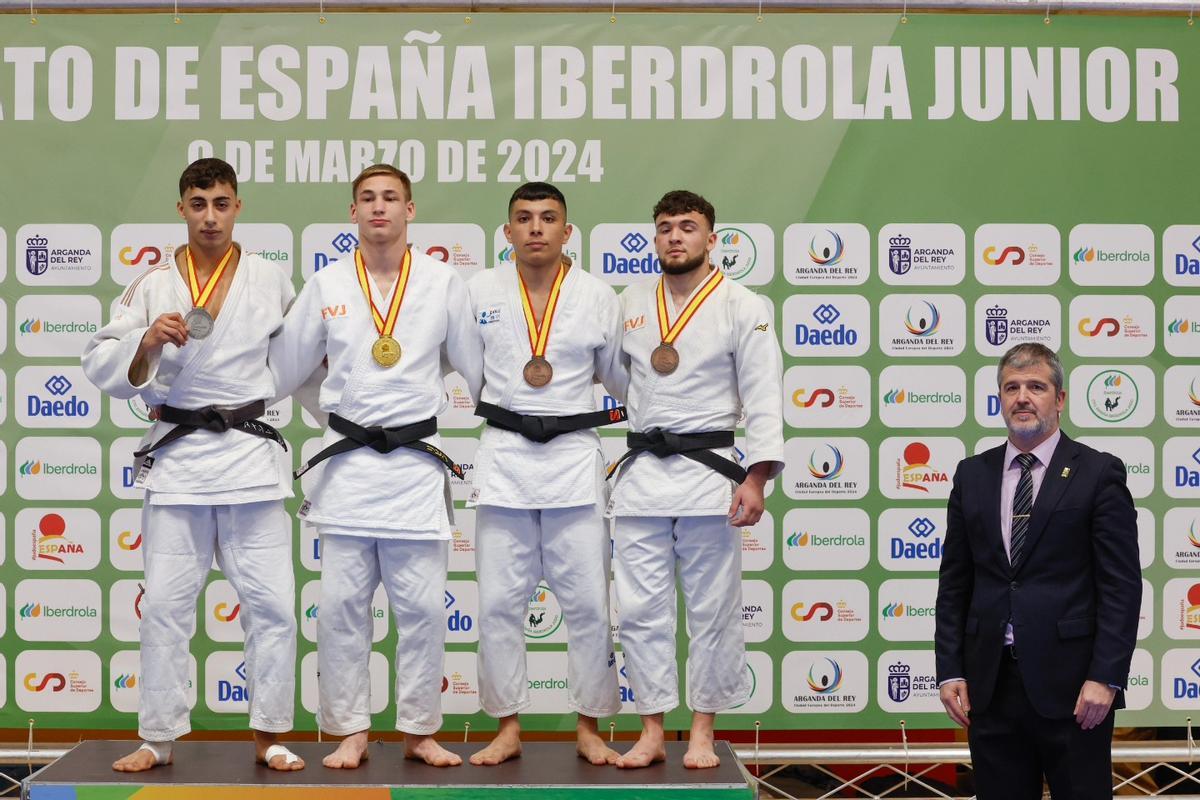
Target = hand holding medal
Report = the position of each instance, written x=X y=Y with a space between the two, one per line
x=199 y=322
x=665 y=358
x=538 y=372
x=386 y=350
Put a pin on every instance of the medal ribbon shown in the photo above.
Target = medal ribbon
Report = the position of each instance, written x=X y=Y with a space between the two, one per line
x=384 y=325
x=671 y=332
x=539 y=336
x=200 y=296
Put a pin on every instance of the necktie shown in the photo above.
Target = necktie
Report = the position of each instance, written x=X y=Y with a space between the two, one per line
x=1022 y=505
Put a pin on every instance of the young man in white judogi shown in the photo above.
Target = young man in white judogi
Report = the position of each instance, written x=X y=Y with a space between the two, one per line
x=702 y=354
x=549 y=330
x=191 y=339
x=386 y=320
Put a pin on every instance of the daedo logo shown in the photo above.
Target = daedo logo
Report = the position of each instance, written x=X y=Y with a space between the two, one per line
x=911 y=539
x=322 y=243
x=826 y=325
x=1181 y=679
x=621 y=253
x=1181 y=255
x=58 y=397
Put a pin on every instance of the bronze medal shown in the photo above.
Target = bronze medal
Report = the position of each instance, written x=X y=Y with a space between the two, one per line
x=386 y=351
x=664 y=359
x=537 y=372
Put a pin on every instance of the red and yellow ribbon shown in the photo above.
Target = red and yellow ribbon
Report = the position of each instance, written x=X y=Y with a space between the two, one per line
x=383 y=324
x=539 y=335
x=201 y=296
x=671 y=332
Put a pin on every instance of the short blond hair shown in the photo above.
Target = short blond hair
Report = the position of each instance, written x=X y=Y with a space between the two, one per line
x=382 y=169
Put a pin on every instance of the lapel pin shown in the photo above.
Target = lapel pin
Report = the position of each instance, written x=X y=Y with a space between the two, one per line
x=1066 y=473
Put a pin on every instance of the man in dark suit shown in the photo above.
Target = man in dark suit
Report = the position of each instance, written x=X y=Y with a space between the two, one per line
x=1038 y=597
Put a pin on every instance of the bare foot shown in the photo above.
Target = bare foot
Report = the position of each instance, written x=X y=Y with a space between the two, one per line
x=350 y=752
x=138 y=761
x=501 y=749
x=589 y=745
x=426 y=748
x=648 y=750
x=700 y=755
x=281 y=762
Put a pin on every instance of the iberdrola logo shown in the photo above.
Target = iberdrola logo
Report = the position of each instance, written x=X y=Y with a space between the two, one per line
x=1084 y=254
x=30 y=468
x=30 y=326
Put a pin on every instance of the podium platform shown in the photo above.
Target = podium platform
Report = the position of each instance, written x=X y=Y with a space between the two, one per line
x=220 y=770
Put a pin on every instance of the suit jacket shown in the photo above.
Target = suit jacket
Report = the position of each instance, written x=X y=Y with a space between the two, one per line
x=1073 y=597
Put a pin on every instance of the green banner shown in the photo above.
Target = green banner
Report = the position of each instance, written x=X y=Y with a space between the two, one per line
x=912 y=198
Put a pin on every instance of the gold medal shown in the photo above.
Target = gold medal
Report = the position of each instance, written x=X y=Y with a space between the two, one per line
x=385 y=351
x=537 y=372
x=664 y=359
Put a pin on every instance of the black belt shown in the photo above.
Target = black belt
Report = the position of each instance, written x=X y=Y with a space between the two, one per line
x=543 y=429
x=696 y=446
x=217 y=420
x=381 y=440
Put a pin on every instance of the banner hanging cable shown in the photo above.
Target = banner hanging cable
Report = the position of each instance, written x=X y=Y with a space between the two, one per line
x=887 y=6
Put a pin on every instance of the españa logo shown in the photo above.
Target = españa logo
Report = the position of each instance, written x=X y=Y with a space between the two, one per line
x=50 y=542
x=916 y=472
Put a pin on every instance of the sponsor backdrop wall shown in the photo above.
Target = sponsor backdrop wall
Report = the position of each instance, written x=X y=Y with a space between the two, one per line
x=911 y=199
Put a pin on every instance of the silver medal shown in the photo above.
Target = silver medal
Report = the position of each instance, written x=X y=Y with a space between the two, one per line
x=199 y=323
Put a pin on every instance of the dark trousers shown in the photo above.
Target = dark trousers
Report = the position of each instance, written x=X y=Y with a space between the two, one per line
x=1012 y=747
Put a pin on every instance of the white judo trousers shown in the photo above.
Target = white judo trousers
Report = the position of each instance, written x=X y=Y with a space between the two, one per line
x=707 y=554
x=252 y=543
x=413 y=572
x=569 y=547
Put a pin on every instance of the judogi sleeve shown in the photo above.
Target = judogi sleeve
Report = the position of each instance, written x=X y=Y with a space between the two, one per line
x=463 y=349
x=759 y=365
x=298 y=347
x=109 y=355
x=611 y=367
